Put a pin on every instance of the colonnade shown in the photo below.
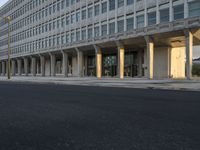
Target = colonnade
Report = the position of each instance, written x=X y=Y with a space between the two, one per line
x=24 y=67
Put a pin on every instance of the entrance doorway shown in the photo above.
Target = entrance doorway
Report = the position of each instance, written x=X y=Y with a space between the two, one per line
x=130 y=64
x=110 y=65
x=91 y=66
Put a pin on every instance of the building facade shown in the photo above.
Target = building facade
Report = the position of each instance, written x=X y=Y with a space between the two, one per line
x=114 y=38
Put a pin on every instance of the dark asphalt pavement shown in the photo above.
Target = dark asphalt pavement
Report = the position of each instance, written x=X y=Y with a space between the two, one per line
x=59 y=117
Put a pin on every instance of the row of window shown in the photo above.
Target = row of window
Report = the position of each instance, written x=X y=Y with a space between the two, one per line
x=10 y=6
x=88 y=13
x=60 y=4
x=91 y=32
x=76 y=16
x=61 y=23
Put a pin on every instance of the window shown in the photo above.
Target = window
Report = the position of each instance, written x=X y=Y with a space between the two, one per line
x=96 y=10
x=112 y=28
x=49 y=42
x=120 y=3
x=50 y=26
x=152 y=18
x=54 y=24
x=90 y=33
x=130 y=24
x=104 y=7
x=54 y=8
x=73 y=2
x=194 y=8
x=50 y=10
x=62 y=22
x=54 y=40
x=120 y=26
x=83 y=35
x=179 y=12
x=140 y=21
x=77 y=35
x=164 y=15
x=67 y=20
x=58 y=23
x=72 y=37
x=58 y=40
x=83 y=14
x=129 y=2
x=104 y=30
x=73 y=18
x=96 y=31
x=58 y=6
x=78 y=15
x=62 y=4
x=67 y=38
x=111 y=5
x=67 y=3
x=62 y=39
x=90 y=12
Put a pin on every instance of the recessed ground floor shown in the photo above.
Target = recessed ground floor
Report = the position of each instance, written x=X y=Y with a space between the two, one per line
x=167 y=55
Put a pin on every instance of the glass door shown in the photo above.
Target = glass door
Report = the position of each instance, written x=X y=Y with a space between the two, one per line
x=130 y=64
x=110 y=65
x=91 y=66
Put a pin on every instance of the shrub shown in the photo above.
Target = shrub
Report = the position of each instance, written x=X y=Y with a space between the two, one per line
x=196 y=69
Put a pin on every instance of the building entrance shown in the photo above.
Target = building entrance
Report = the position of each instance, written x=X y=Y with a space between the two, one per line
x=130 y=64
x=69 y=66
x=91 y=66
x=110 y=65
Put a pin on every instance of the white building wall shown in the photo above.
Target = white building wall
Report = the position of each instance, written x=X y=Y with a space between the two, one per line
x=74 y=66
x=161 y=62
x=177 y=62
x=47 y=67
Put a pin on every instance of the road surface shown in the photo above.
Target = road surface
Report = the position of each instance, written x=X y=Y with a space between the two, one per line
x=64 y=117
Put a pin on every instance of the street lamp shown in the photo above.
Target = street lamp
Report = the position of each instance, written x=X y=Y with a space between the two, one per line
x=8 y=18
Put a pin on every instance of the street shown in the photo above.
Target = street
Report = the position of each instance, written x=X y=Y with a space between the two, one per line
x=66 y=117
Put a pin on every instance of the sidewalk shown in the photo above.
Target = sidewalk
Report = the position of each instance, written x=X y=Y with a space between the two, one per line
x=189 y=85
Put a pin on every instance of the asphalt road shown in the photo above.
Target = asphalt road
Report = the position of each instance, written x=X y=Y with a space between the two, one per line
x=59 y=117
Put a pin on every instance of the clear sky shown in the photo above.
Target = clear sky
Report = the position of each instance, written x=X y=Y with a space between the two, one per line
x=196 y=52
x=2 y=2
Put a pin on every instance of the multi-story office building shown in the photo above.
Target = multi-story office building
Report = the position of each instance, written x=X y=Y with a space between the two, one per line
x=118 y=38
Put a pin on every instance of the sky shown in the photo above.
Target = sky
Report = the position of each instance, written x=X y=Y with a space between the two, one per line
x=196 y=52
x=2 y=2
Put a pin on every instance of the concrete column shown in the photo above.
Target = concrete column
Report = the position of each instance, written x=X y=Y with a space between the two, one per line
x=26 y=66
x=13 y=68
x=53 y=64
x=150 y=56
x=121 y=62
x=79 y=63
x=140 y=63
x=98 y=62
x=6 y=67
x=85 y=65
x=42 y=63
x=33 y=66
x=19 y=65
x=189 y=51
x=3 y=68
x=65 y=64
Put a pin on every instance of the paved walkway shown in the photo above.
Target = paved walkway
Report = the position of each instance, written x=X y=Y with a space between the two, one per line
x=191 y=85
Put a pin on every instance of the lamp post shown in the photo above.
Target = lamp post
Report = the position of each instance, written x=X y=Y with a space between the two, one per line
x=8 y=20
